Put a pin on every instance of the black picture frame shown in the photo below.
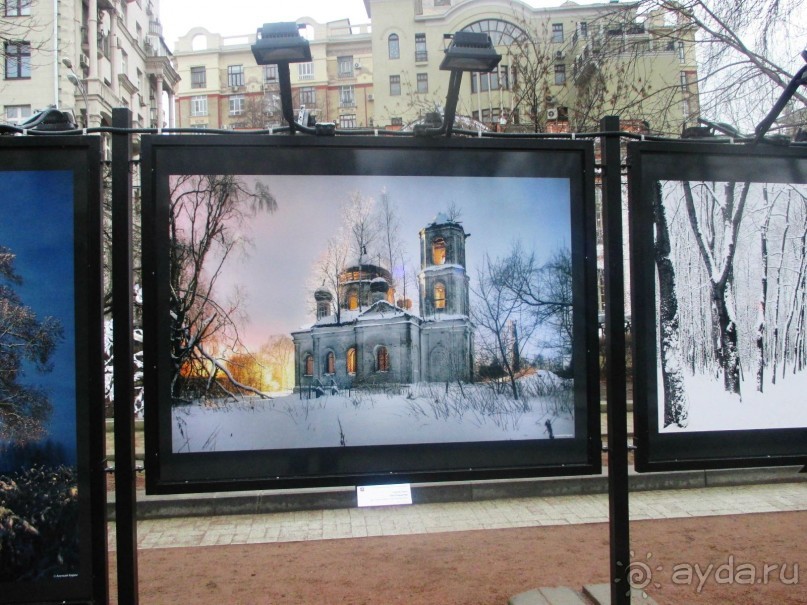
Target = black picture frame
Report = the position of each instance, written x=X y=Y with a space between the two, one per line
x=42 y=161
x=712 y=442
x=168 y=471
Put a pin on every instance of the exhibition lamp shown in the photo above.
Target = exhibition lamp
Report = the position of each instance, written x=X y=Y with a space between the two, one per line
x=76 y=81
x=280 y=44
x=468 y=51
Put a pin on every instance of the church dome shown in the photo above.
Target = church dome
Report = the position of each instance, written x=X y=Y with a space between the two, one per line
x=322 y=295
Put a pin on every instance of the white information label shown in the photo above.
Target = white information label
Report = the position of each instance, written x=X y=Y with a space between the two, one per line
x=384 y=495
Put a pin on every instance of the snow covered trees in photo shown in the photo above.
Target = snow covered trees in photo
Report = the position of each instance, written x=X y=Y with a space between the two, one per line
x=731 y=264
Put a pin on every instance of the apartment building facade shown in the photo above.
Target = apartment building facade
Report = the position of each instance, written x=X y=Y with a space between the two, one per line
x=223 y=87
x=562 y=68
x=87 y=57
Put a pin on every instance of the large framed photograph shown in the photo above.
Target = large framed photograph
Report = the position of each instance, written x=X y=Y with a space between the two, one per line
x=718 y=264
x=354 y=310
x=52 y=504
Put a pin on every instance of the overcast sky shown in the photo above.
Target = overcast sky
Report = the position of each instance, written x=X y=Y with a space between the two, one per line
x=245 y=16
x=276 y=275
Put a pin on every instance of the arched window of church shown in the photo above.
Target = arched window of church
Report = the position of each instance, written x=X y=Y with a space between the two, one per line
x=382 y=360
x=351 y=360
x=353 y=299
x=330 y=363
x=440 y=296
x=308 y=365
x=438 y=251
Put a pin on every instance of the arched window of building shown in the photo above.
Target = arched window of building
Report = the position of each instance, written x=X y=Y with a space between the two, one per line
x=351 y=360
x=353 y=299
x=394 y=46
x=440 y=296
x=382 y=360
x=330 y=363
x=308 y=365
x=438 y=251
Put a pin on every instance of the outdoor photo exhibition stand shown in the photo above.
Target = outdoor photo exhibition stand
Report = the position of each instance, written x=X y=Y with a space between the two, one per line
x=53 y=538
x=299 y=180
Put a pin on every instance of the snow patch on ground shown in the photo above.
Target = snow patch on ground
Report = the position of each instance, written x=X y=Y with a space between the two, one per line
x=413 y=414
x=711 y=408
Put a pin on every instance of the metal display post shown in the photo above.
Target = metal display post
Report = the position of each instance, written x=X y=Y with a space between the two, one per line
x=123 y=352
x=616 y=392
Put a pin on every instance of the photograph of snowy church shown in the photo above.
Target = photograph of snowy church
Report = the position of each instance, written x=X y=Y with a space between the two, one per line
x=366 y=334
x=357 y=310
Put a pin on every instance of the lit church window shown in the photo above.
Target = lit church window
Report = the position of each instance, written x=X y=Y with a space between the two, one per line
x=439 y=296
x=382 y=360
x=353 y=300
x=330 y=363
x=351 y=360
x=309 y=365
x=439 y=251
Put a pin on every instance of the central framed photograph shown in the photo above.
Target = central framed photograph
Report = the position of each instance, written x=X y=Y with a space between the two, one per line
x=356 y=310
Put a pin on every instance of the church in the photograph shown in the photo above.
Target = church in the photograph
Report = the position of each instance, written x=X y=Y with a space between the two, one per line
x=374 y=338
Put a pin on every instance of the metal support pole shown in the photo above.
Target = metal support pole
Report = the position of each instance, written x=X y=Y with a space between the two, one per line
x=454 y=81
x=286 y=101
x=123 y=352
x=616 y=391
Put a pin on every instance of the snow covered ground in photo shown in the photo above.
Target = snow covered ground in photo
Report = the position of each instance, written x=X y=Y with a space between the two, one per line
x=781 y=406
x=412 y=414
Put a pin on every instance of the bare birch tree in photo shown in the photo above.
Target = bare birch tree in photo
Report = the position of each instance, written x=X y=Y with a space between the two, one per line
x=676 y=404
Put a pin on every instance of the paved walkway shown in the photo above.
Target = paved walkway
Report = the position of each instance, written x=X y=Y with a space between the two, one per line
x=463 y=516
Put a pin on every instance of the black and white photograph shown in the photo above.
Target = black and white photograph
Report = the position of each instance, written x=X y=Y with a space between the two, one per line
x=731 y=268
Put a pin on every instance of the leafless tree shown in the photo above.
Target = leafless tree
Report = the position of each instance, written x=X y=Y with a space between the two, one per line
x=206 y=217
x=24 y=409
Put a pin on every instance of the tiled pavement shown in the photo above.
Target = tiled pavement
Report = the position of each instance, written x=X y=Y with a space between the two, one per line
x=462 y=516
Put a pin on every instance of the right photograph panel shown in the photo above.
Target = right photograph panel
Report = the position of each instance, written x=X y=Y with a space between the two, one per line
x=719 y=265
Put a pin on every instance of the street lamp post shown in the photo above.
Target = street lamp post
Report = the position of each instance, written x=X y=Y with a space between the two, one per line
x=79 y=84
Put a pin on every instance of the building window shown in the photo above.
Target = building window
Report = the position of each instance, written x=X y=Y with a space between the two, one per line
x=235 y=75
x=557 y=32
x=420 y=48
x=18 y=60
x=198 y=77
x=353 y=299
x=308 y=365
x=330 y=363
x=124 y=62
x=439 y=296
x=560 y=74
x=423 y=83
x=351 y=361
x=382 y=360
x=17 y=113
x=395 y=86
x=583 y=27
x=305 y=71
x=308 y=95
x=347 y=121
x=199 y=105
x=504 y=77
x=270 y=73
x=236 y=105
x=396 y=121
x=684 y=84
x=438 y=251
x=18 y=8
x=681 y=53
x=394 y=46
x=346 y=98
x=345 y=67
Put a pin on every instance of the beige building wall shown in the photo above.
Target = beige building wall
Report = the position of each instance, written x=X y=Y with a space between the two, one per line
x=117 y=54
x=336 y=86
x=411 y=84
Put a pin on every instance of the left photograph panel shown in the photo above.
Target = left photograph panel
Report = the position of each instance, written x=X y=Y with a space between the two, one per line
x=51 y=404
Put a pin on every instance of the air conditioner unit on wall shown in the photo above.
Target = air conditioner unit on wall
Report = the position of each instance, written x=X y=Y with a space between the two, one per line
x=559 y=56
x=357 y=66
x=84 y=60
x=552 y=113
